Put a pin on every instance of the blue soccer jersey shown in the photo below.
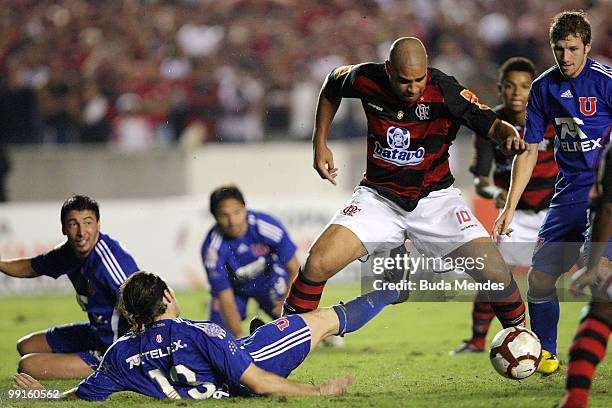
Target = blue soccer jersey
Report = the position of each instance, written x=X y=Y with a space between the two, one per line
x=580 y=109
x=183 y=358
x=247 y=263
x=96 y=280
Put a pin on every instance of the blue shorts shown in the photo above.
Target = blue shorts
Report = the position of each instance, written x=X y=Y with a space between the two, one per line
x=266 y=292
x=560 y=238
x=279 y=346
x=78 y=338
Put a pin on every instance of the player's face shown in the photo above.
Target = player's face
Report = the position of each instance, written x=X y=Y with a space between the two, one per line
x=570 y=54
x=407 y=82
x=82 y=229
x=515 y=90
x=232 y=218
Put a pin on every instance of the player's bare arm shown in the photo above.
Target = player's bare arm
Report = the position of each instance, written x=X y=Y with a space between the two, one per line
x=522 y=167
x=18 y=268
x=507 y=137
x=265 y=383
x=597 y=262
x=27 y=382
x=229 y=311
x=323 y=161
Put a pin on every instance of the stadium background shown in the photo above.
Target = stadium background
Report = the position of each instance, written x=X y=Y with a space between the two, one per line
x=149 y=105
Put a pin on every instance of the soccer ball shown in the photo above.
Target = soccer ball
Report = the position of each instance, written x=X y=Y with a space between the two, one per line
x=515 y=352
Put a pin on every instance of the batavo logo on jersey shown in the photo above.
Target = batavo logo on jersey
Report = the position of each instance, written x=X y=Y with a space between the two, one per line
x=338 y=72
x=588 y=105
x=399 y=140
x=571 y=127
x=471 y=97
x=350 y=210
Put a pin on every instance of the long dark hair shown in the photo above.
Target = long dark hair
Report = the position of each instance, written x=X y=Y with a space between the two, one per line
x=141 y=300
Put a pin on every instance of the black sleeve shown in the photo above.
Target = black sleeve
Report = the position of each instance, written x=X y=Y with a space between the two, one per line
x=483 y=157
x=464 y=107
x=339 y=82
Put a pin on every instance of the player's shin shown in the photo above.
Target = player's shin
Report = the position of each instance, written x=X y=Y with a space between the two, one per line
x=355 y=314
x=544 y=317
x=587 y=350
x=508 y=305
x=304 y=296
x=482 y=314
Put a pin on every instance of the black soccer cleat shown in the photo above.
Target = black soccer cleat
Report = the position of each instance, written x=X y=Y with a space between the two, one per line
x=399 y=276
x=255 y=324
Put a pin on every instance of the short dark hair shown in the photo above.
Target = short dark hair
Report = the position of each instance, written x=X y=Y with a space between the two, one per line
x=79 y=203
x=141 y=299
x=223 y=193
x=570 y=23
x=520 y=64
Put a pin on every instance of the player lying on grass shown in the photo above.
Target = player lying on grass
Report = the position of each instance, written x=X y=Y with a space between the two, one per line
x=168 y=357
x=96 y=265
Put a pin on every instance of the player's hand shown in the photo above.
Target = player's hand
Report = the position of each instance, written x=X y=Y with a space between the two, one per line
x=500 y=199
x=336 y=386
x=324 y=163
x=27 y=382
x=502 y=223
x=513 y=145
x=581 y=279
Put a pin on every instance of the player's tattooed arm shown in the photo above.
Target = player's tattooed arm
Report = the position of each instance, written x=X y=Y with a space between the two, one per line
x=507 y=137
x=18 y=268
x=265 y=383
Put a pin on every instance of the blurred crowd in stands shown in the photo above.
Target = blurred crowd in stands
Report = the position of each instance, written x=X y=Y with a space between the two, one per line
x=143 y=73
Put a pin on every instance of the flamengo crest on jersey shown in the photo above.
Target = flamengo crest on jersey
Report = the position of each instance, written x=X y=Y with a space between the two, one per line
x=399 y=140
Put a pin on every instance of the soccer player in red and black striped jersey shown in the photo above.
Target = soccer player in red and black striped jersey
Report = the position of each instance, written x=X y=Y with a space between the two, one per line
x=413 y=113
x=589 y=346
x=515 y=77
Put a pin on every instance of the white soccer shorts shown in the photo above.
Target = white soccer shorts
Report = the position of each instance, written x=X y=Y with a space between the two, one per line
x=517 y=249
x=440 y=223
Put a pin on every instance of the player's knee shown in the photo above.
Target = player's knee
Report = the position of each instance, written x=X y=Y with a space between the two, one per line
x=24 y=345
x=27 y=364
x=602 y=310
x=540 y=281
x=315 y=268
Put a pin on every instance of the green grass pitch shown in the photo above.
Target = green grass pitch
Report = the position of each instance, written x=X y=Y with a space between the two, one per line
x=398 y=360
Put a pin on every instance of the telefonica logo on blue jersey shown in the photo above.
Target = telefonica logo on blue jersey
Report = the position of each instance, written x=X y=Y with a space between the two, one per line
x=399 y=140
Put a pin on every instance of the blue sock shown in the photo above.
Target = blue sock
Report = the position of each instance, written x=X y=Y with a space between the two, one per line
x=355 y=314
x=544 y=316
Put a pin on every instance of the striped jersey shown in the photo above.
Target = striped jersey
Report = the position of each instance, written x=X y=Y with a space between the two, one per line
x=541 y=186
x=407 y=145
x=243 y=263
x=580 y=109
x=96 y=280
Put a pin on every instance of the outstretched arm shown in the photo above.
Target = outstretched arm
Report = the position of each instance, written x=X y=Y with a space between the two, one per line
x=18 y=268
x=507 y=137
x=265 y=383
x=27 y=382
x=323 y=161
x=229 y=311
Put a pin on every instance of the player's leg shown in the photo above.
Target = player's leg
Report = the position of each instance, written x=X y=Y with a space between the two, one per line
x=559 y=243
x=482 y=315
x=34 y=343
x=507 y=303
x=443 y=226
x=366 y=224
x=72 y=352
x=47 y=366
x=586 y=352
